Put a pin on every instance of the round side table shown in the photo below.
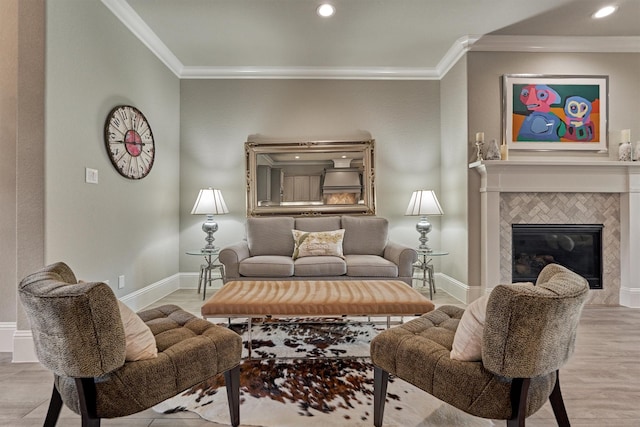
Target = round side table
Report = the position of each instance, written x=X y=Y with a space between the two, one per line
x=211 y=263
x=424 y=263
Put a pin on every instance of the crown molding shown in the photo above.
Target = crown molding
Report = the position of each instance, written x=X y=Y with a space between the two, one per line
x=130 y=18
x=459 y=48
x=572 y=44
x=125 y=13
x=330 y=73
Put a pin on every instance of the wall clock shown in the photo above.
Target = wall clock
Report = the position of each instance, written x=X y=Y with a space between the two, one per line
x=129 y=142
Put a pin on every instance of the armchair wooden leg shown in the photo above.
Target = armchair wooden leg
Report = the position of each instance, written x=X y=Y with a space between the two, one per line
x=557 y=403
x=519 y=396
x=232 y=381
x=380 y=381
x=55 y=406
x=87 y=396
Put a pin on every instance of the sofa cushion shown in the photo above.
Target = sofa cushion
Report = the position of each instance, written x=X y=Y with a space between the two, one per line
x=320 y=243
x=267 y=266
x=321 y=223
x=320 y=266
x=364 y=235
x=370 y=266
x=270 y=236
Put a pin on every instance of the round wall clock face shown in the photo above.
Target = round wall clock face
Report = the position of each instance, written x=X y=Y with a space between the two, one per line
x=129 y=141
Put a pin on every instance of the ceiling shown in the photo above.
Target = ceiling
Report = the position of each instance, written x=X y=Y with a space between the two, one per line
x=366 y=38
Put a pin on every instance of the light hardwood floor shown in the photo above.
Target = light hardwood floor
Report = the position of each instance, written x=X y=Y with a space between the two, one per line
x=600 y=384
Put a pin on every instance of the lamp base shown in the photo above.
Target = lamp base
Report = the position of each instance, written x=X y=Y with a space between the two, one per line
x=209 y=227
x=424 y=227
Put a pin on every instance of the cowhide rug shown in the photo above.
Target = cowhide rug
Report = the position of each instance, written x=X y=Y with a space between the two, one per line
x=315 y=386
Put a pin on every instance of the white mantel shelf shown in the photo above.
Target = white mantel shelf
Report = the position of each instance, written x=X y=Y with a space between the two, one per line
x=562 y=176
x=558 y=176
x=598 y=163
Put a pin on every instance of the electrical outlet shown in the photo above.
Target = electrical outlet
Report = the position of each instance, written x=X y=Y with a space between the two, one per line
x=91 y=176
x=121 y=282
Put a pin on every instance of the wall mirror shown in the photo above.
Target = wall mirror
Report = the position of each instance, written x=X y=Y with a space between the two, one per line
x=309 y=177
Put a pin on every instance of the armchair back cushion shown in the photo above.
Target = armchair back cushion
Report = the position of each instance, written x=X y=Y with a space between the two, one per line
x=365 y=235
x=56 y=306
x=531 y=330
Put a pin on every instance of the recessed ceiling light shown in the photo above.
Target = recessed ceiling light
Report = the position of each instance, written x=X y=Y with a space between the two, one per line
x=326 y=10
x=605 y=11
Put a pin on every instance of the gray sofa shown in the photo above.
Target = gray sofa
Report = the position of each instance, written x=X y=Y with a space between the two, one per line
x=266 y=253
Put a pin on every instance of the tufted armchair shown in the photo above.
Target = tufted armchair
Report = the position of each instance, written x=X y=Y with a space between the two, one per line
x=79 y=334
x=529 y=333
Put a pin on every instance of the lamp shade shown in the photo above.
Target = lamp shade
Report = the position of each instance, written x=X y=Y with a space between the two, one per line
x=424 y=202
x=209 y=202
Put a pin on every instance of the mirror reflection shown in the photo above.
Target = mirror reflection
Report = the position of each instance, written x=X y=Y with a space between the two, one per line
x=310 y=178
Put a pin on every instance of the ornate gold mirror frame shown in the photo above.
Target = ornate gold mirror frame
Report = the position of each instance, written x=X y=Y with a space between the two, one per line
x=310 y=177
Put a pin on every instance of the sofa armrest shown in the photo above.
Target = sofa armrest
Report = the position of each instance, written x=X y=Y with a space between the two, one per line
x=230 y=257
x=403 y=256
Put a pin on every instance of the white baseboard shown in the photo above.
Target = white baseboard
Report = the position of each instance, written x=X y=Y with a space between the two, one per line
x=456 y=288
x=190 y=280
x=630 y=297
x=149 y=294
x=7 y=329
x=23 y=349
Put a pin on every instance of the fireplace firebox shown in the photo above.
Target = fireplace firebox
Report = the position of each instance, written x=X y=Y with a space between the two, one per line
x=575 y=246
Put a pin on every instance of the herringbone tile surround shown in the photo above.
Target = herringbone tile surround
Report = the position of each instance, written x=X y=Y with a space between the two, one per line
x=567 y=208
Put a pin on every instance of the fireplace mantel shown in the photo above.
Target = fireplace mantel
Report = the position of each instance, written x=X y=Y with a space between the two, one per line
x=558 y=176
x=526 y=176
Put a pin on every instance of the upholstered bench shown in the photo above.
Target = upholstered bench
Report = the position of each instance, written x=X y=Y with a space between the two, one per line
x=307 y=298
x=315 y=298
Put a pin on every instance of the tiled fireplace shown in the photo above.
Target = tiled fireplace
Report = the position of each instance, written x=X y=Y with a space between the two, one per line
x=566 y=208
x=527 y=192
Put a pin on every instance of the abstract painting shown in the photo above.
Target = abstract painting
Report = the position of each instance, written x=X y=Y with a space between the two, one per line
x=555 y=112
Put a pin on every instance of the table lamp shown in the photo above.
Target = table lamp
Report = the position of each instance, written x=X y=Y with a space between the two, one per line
x=209 y=203
x=423 y=203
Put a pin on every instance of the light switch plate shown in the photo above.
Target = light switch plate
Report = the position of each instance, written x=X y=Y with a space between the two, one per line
x=91 y=176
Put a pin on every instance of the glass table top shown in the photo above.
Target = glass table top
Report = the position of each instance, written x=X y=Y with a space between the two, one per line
x=433 y=252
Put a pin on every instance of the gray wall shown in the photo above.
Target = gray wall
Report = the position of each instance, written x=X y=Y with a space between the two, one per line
x=119 y=226
x=454 y=163
x=484 y=86
x=218 y=115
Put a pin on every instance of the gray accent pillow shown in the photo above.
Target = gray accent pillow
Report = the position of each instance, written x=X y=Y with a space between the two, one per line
x=270 y=236
x=364 y=235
